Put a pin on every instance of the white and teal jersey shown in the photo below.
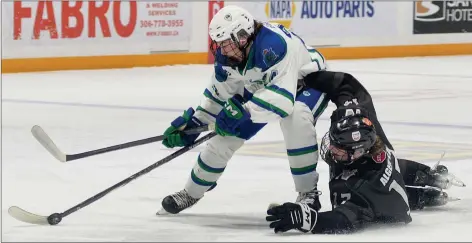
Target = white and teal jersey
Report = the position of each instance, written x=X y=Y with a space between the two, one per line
x=276 y=60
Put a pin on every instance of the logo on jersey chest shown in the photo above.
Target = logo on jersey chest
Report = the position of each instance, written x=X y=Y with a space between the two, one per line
x=269 y=57
x=346 y=174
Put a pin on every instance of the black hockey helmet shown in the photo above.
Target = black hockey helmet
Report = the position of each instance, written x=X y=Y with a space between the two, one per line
x=353 y=132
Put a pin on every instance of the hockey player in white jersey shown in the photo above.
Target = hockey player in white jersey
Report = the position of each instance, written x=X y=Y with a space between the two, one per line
x=257 y=66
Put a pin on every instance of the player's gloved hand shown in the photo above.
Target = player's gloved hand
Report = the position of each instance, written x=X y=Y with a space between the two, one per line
x=175 y=138
x=349 y=108
x=231 y=117
x=292 y=216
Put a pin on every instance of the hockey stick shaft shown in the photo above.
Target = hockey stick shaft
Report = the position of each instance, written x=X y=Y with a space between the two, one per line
x=47 y=143
x=70 y=157
x=138 y=174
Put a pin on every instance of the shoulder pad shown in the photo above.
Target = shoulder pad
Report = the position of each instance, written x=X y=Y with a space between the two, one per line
x=270 y=48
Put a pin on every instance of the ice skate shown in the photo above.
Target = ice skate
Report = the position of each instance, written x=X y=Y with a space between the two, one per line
x=175 y=203
x=439 y=177
x=443 y=179
x=434 y=198
x=311 y=198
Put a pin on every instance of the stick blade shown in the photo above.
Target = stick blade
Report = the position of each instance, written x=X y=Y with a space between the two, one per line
x=47 y=143
x=27 y=217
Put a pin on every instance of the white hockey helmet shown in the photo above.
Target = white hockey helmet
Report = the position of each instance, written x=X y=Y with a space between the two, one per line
x=231 y=22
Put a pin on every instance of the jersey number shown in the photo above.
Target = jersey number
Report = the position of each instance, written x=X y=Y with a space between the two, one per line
x=285 y=30
x=341 y=200
x=289 y=33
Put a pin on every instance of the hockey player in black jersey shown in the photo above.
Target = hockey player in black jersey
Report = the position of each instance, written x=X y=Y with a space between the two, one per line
x=368 y=183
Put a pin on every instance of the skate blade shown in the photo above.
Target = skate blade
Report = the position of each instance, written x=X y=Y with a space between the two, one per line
x=162 y=212
x=456 y=181
x=451 y=177
x=453 y=199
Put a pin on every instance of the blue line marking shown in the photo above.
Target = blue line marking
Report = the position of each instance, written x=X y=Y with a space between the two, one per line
x=121 y=107
x=149 y=108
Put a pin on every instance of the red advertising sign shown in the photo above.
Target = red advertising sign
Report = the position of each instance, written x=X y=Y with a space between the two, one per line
x=213 y=8
x=56 y=20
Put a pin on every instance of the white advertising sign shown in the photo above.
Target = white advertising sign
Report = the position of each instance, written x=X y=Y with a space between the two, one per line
x=329 y=19
x=65 y=23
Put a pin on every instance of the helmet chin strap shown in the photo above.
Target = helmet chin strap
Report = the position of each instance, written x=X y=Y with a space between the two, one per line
x=234 y=62
x=244 y=54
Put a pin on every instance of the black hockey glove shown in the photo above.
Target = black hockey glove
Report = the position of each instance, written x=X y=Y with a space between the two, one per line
x=292 y=216
x=349 y=108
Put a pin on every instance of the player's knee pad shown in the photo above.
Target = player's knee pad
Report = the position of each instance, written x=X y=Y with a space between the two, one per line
x=219 y=150
x=300 y=134
x=299 y=127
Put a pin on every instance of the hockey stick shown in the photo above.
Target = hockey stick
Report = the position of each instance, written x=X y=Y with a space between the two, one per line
x=49 y=145
x=55 y=218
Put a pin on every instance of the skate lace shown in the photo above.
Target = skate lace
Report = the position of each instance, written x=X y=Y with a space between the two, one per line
x=183 y=200
x=308 y=197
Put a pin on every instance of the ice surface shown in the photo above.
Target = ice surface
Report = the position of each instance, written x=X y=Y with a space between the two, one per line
x=424 y=105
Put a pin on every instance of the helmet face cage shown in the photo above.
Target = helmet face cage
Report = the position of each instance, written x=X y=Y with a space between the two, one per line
x=324 y=152
x=332 y=153
x=350 y=138
x=237 y=45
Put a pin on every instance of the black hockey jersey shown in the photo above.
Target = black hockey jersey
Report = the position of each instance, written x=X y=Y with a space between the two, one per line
x=372 y=181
